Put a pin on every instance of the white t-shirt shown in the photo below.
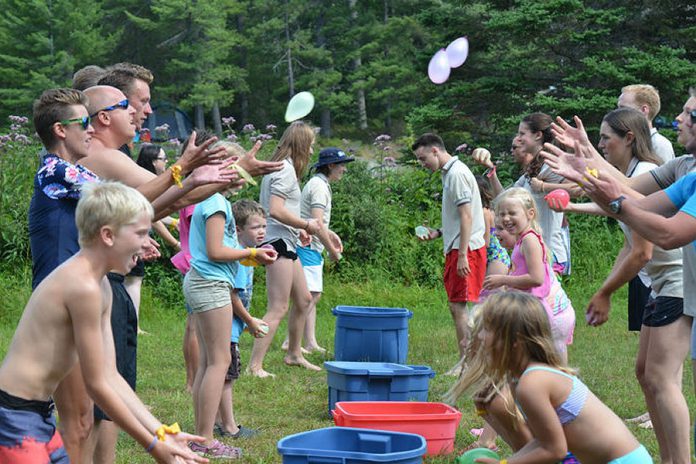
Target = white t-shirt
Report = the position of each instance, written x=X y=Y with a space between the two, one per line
x=316 y=194
x=459 y=187
x=284 y=184
x=664 y=271
x=661 y=146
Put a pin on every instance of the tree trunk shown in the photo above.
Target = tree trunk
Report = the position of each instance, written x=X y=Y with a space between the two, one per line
x=325 y=122
x=199 y=118
x=244 y=97
x=291 y=76
x=217 y=122
x=357 y=63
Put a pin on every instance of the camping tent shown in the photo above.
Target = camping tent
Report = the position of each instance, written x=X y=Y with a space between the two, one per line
x=180 y=125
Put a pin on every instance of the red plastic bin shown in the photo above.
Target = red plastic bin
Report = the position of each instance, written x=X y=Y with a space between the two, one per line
x=436 y=422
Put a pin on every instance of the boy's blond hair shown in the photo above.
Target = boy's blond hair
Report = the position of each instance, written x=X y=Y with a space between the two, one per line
x=242 y=210
x=645 y=94
x=107 y=203
x=233 y=149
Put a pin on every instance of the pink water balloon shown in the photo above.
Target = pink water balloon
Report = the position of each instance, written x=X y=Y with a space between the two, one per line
x=439 y=67
x=560 y=196
x=457 y=52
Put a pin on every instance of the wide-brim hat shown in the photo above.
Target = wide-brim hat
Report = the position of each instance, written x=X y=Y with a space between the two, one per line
x=332 y=155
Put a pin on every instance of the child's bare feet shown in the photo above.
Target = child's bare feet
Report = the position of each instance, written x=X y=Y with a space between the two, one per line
x=286 y=345
x=300 y=361
x=260 y=373
x=314 y=349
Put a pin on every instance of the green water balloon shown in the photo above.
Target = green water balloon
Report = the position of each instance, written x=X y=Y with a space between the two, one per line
x=299 y=106
x=470 y=456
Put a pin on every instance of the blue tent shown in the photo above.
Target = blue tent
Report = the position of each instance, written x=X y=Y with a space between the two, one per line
x=180 y=125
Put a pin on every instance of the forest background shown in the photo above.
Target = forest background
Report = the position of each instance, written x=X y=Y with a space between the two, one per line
x=233 y=65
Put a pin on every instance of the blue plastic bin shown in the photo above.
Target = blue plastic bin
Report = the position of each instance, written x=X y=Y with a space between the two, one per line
x=371 y=334
x=361 y=381
x=345 y=445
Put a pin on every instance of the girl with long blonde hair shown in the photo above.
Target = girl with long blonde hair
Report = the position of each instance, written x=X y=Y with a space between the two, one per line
x=280 y=197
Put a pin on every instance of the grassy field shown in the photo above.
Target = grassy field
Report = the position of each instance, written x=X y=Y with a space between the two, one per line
x=296 y=400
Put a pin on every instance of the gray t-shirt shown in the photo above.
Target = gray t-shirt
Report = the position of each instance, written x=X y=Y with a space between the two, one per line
x=664 y=270
x=666 y=175
x=459 y=187
x=283 y=184
x=316 y=194
x=661 y=146
x=550 y=221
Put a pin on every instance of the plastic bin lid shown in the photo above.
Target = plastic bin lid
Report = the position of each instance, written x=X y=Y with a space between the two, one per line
x=376 y=368
x=316 y=443
x=371 y=311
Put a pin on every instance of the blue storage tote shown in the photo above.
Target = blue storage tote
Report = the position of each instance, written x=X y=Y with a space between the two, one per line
x=342 y=445
x=371 y=334
x=363 y=381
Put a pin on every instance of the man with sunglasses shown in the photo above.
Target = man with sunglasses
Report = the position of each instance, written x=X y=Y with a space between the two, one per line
x=666 y=216
x=62 y=122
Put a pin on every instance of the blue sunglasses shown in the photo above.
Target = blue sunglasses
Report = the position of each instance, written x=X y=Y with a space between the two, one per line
x=123 y=104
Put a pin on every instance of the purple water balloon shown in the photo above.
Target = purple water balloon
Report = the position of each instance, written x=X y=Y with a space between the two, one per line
x=457 y=52
x=439 y=67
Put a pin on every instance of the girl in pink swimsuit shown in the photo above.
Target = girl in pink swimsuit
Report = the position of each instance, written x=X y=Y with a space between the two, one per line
x=530 y=270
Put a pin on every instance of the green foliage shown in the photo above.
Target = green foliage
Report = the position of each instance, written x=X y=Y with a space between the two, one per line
x=18 y=163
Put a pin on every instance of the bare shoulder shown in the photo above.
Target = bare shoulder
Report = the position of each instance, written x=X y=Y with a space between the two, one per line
x=530 y=242
x=534 y=385
x=77 y=286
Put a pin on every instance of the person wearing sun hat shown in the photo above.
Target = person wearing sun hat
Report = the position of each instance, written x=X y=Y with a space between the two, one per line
x=316 y=203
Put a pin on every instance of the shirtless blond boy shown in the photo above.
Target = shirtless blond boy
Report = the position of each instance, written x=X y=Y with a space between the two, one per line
x=68 y=320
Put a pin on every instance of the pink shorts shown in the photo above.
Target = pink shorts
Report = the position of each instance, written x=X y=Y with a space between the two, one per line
x=465 y=289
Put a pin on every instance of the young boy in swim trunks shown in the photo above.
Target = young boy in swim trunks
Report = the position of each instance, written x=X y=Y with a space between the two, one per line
x=68 y=319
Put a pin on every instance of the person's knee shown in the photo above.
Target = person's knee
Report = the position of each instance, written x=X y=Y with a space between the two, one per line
x=640 y=373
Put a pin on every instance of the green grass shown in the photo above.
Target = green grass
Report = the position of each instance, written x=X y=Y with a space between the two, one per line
x=296 y=400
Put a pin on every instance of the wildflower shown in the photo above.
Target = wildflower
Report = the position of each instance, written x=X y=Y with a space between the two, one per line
x=389 y=161
x=253 y=139
x=21 y=120
x=232 y=137
x=228 y=121
x=462 y=148
x=383 y=138
x=271 y=128
x=21 y=138
x=163 y=128
x=248 y=128
x=174 y=141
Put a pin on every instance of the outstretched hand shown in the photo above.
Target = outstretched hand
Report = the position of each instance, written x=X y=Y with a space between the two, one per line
x=602 y=189
x=174 y=449
x=256 y=167
x=151 y=251
x=199 y=155
x=567 y=134
x=217 y=174
x=571 y=166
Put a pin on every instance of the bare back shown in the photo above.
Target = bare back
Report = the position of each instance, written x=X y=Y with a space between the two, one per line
x=43 y=348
